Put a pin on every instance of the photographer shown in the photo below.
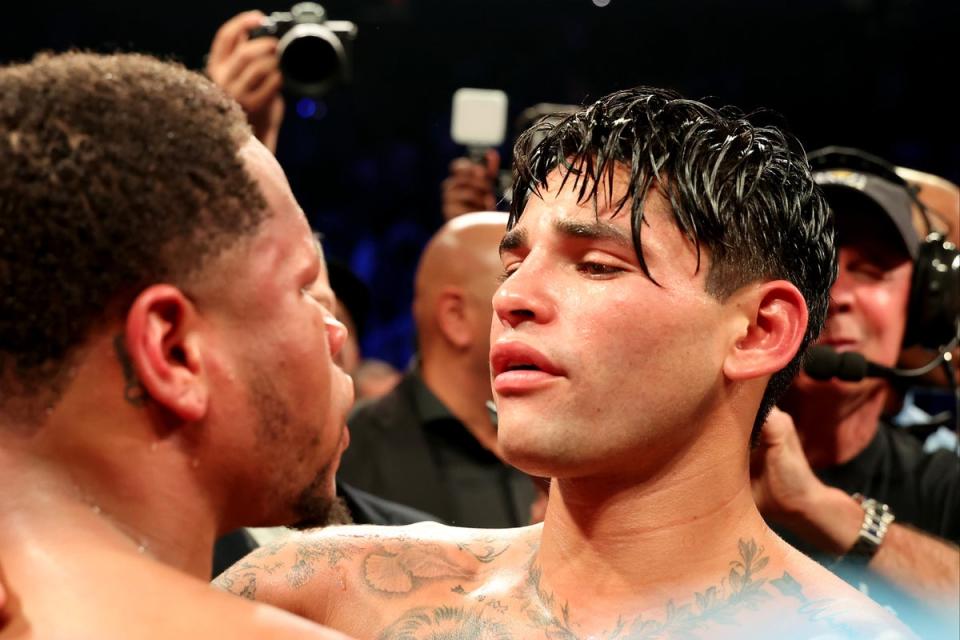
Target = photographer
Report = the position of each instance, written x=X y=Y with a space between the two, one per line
x=248 y=69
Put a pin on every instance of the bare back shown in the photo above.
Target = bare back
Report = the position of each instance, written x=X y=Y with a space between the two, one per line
x=427 y=580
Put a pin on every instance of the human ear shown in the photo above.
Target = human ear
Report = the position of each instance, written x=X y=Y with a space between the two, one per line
x=775 y=316
x=164 y=349
x=451 y=310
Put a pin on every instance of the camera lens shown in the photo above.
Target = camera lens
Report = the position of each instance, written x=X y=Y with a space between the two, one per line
x=311 y=58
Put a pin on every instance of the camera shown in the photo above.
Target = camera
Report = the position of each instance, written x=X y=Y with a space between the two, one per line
x=314 y=52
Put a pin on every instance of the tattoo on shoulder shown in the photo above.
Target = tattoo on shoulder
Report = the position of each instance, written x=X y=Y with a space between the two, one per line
x=388 y=565
x=404 y=567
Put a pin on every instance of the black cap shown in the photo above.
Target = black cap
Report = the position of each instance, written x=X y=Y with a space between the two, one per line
x=843 y=171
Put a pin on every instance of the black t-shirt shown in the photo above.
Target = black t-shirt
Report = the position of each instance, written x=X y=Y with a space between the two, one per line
x=922 y=489
x=409 y=448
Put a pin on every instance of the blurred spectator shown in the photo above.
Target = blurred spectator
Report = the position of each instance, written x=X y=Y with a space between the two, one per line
x=431 y=443
x=941 y=200
x=372 y=378
x=940 y=197
x=850 y=445
x=471 y=186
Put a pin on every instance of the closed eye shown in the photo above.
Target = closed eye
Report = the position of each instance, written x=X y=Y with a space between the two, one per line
x=597 y=269
x=507 y=272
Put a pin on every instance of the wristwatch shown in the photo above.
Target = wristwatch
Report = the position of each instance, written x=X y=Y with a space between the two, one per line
x=877 y=518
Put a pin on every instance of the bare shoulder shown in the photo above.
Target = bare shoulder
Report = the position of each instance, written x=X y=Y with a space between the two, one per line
x=824 y=599
x=118 y=595
x=364 y=572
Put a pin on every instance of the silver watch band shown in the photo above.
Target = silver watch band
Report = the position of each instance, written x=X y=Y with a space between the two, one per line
x=877 y=519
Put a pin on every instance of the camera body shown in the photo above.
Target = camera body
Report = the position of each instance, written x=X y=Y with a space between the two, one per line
x=314 y=52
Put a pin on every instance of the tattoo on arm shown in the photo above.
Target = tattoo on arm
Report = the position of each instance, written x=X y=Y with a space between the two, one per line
x=241 y=578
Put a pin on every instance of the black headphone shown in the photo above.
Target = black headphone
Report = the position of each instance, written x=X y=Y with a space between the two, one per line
x=933 y=312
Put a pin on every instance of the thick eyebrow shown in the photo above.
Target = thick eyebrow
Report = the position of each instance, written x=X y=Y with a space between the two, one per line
x=513 y=240
x=594 y=231
x=517 y=237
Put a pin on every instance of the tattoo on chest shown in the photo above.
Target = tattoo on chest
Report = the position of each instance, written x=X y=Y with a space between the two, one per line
x=533 y=611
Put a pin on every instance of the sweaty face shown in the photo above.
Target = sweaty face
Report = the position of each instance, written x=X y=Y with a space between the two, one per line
x=280 y=328
x=868 y=303
x=594 y=365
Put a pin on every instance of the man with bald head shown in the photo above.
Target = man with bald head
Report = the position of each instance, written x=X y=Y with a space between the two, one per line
x=432 y=442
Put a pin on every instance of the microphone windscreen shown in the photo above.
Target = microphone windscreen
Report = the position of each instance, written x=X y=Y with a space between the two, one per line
x=821 y=363
x=853 y=367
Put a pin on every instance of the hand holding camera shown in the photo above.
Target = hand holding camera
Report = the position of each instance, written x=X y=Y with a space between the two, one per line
x=248 y=70
x=254 y=56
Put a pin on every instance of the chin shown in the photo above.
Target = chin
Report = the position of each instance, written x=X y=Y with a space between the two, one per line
x=536 y=457
x=311 y=507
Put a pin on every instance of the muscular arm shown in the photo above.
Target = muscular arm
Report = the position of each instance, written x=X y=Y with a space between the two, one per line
x=284 y=575
x=926 y=566
x=788 y=492
x=358 y=579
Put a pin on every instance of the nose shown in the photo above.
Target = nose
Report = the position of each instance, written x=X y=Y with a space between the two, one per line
x=841 y=294
x=336 y=333
x=523 y=298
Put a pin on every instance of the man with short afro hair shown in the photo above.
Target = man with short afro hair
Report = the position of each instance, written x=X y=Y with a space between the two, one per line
x=165 y=376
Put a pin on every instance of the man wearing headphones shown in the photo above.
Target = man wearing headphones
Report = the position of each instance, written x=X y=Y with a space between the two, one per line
x=873 y=497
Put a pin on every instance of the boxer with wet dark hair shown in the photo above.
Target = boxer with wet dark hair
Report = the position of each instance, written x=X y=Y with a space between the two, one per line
x=665 y=265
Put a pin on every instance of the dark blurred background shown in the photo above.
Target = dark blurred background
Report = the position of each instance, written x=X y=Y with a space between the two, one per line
x=366 y=162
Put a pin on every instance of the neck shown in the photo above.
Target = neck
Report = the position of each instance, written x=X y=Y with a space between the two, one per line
x=44 y=501
x=667 y=536
x=836 y=423
x=463 y=392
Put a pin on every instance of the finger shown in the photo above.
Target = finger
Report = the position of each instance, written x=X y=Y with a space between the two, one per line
x=246 y=54
x=472 y=182
x=476 y=197
x=461 y=166
x=492 y=158
x=253 y=75
x=233 y=32
x=268 y=90
x=777 y=426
